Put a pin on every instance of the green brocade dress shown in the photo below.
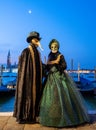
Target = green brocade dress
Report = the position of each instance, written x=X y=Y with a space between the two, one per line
x=62 y=105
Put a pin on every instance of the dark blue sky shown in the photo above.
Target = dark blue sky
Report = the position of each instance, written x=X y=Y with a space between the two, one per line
x=71 y=22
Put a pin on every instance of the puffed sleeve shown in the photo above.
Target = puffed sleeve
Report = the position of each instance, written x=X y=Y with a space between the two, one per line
x=62 y=64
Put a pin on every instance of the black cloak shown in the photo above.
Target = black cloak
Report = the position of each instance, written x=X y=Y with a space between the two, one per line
x=28 y=88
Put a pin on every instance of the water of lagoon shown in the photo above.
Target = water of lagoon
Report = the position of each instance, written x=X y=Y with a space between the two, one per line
x=7 y=103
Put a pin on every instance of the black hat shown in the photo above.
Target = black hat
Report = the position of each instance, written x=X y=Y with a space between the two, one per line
x=33 y=35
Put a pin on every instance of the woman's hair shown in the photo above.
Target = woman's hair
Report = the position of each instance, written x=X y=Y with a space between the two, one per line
x=52 y=41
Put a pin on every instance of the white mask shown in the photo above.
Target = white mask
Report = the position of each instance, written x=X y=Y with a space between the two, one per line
x=54 y=47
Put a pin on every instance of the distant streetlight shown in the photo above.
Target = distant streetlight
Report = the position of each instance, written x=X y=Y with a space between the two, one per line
x=78 y=72
x=1 y=71
x=95 y=72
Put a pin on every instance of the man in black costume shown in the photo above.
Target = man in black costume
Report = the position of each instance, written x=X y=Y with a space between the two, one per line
x=29 y=79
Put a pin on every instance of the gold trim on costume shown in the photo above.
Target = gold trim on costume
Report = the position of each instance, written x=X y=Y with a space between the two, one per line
x=54 y=61
x=34 y=79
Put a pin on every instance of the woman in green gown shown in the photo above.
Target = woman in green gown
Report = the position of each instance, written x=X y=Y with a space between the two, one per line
x=61 y=104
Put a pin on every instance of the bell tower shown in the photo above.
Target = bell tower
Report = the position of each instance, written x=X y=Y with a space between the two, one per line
x=9 y=60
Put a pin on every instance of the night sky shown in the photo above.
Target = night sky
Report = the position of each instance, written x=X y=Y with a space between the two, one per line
x=71 y=22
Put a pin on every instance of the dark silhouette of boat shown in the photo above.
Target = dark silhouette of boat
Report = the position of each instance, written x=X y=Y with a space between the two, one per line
x=8 y=89
x=4 y=91
x=86 y=86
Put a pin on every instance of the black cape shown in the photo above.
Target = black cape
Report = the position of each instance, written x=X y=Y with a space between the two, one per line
x=28 y=88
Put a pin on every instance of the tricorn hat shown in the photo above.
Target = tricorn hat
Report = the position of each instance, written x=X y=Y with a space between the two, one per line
x=33 y=35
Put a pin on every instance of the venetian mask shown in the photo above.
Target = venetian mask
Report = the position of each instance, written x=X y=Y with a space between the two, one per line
x=54 y=47
x=36 y=42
